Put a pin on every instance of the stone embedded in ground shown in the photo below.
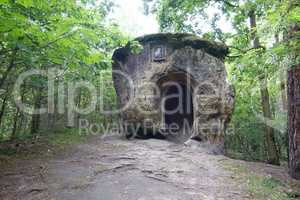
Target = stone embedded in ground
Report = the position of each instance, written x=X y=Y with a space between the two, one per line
x=174 y=72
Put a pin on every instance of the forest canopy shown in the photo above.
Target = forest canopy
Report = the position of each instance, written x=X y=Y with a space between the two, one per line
x=74 y=37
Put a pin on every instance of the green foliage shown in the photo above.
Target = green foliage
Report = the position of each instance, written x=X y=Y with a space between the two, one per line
x=136 y=47
x=65 y=137
x=260 y=186
x=73 y=36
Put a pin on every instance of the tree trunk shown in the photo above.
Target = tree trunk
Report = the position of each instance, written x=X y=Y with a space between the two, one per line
x=22 y=114
x=294 y=121
x=35 y=122
x=9 y=68
x=79 y=99
x=294 y=104
x=282 y=75
x=271 y=147
x=15 y=125
x=3 y=107
x=283 y=91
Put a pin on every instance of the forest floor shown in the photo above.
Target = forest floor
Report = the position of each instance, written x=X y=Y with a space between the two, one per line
x=115 y=169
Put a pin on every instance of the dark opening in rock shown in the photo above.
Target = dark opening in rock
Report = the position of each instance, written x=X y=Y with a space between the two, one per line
x=149 y=134
x=178 y=108
x=178 y=112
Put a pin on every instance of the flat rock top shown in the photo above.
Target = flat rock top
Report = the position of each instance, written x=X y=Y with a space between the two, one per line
x=177 y=41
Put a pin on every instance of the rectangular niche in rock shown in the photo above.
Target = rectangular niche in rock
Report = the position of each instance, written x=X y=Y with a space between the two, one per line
x=158 y=53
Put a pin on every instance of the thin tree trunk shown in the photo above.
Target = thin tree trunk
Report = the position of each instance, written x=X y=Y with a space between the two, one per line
x=271 y=148
x=253 y=26
x=9 y=68
x=78 y=105
x=3 y=107
x=294 y=121
x=17 y=117
x=15 y=125
x=22 y=115
x=283 y=91
x=35 y=122
x=282 y=79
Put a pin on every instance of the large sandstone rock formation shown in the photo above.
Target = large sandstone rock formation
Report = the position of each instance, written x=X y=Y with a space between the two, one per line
x=176 y=79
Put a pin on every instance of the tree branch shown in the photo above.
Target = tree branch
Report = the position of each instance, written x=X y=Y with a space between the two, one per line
x=247 y=50
x=227 y=3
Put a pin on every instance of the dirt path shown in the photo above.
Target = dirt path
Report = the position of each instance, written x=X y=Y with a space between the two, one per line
x=116 y=169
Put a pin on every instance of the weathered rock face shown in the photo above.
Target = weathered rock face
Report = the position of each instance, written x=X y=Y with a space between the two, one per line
x=177 y=79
